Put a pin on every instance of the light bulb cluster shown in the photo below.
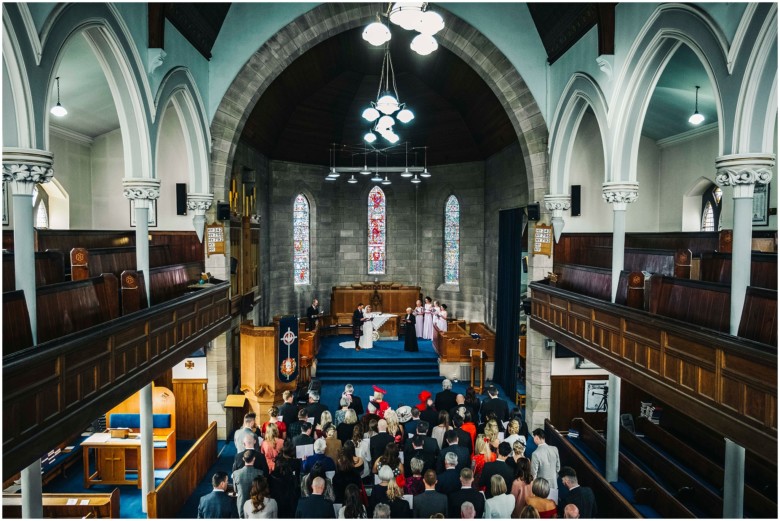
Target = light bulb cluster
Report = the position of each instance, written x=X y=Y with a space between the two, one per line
x=384 y=112
x=412 y=16
x=379 y=174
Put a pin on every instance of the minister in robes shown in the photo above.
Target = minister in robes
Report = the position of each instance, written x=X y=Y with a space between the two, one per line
x=312 y=314
x=357 y=325
x=410 y=334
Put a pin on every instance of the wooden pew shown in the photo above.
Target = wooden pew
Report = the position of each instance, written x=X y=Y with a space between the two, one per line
x=716 y=267
x=49 y=269
x=759 y=316
x=758 y=505
x=648 y=490
x=454 y=344
x=86 y=263
x=56 y=505
x=611 y=504
x=704 y=304
x=585 y=280
x=17 y=332
x=166 y=283
x=635 y=259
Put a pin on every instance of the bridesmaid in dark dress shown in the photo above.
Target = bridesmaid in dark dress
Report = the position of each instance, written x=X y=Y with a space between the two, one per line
x=410 y=336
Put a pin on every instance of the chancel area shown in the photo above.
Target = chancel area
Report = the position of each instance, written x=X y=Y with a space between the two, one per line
x=402 y=260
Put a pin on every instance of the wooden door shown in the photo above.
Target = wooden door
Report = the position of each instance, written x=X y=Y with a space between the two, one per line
x=191 y=408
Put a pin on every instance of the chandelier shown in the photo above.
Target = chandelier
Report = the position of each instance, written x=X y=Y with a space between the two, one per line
x=414 y=173
x=412 y=16
x=384 y=112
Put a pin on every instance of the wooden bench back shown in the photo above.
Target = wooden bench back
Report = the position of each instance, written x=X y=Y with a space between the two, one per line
x=759 y=316
x=635 y=259
x=72 y=306
x=169 y=282
x=716 y=267
x=585 y=280
x=56 y=505
x=705 y=304
x=49 y=269
x=91 y=263
x=17 y=333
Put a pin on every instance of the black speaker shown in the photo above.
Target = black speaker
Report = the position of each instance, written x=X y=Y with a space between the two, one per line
x=533 y=212
x=181 y=198
x=576 y=192
x=223 y=211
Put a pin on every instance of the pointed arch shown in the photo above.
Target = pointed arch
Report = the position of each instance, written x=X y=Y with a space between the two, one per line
x=20 y=95
x=301 y=240
x=452 y=240
x=377 y=232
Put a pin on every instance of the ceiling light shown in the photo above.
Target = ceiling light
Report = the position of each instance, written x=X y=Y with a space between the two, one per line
x=424 y=44
x=387 y=181
x=391 y=136
x=352 y=179
x=406 y=173
x=416 y=179
x=58 y=110
x=429 y=22
x=376 y=33
x=333 y=174
x=425 y=173
x=377 y=178
x=370 y=137
x=371 y=114
x=696 y=118
x=387 y=104
x=329 y=178
x=405 y=116
x=385 y=123
x=406 y=14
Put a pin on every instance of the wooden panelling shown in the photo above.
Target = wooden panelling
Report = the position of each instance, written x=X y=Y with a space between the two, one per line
x=716 y=267
x=191 y=408
x=759 y=316
x=705 y=304
x=59 y=506
x=184 y=246
x=727 y=382
x=384 y=297
x=91 y=263
x=62 y=385
x=49 y=269
x=567 y=401
x=167 y=499
x=587 y=280
x=455 y=344
x=17 y=332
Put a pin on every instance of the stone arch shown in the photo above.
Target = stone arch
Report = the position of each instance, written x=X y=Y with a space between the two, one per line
x=581 y=92
x=670 y=26
x=691 y=206
x=115 y=50
x=20 y=95
x=324 y=21
x=178 y=89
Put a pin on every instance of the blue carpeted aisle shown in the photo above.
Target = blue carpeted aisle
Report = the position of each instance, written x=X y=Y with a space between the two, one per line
x=226 y=455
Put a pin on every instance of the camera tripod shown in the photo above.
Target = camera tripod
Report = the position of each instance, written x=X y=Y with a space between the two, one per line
x=602 y=405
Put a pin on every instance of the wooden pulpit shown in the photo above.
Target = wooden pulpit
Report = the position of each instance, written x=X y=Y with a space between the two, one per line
x=260 y=363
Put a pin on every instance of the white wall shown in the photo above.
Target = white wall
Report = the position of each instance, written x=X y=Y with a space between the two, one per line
x=173 y=166
x=642 y=215
x=110 y=208
x=568 y=366
x=73 y=170
x=10 y=137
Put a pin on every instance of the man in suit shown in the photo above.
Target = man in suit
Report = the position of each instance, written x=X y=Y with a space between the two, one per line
x=378 y=442
x=312 y=313
x=411 y=425
x=466 y=493
x=449 y=480
x=545 y=461
x=445 y=400
x=356 y=404
x=429 y=502
x=495 y=404
x=288 y=411
x=315 y=506
x=357 y=325
x=422 y=444
x=243 y=478
x=582 y=497
x=249 y=427
x=304 y=438
x=216 y=504
x=498 y=467
x=295 y=428
x=259 y=460
x=315 y=408
x=464 y=438
x=451 y=440
x=415 y=449
x=460 y=401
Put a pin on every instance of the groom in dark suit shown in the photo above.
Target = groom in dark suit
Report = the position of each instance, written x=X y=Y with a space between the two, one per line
x=357 y=325
x=582 y=497
x=217 y=504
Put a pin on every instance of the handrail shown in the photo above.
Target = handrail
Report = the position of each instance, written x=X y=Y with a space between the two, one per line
x=62 y=385
x=727 y=382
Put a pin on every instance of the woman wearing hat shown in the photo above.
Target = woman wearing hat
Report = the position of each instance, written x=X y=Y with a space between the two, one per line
x=379 y=402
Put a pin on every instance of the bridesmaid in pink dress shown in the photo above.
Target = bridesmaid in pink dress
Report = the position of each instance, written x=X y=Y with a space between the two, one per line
x=419 y=313
x=428 y=319
x=442 y=325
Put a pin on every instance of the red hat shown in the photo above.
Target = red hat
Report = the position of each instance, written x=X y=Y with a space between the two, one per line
x=379 y=389
x=423 y=396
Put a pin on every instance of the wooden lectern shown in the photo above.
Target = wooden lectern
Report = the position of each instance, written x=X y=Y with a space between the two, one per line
x=260 y=368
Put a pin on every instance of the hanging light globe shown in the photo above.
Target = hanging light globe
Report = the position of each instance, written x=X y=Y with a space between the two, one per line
x=405 y=115
x=376 y=34
x=406 y=14
x=371 y=114
x=416 y=179
x=333 y=174
x=365 y=170
x=385 y=123
x=424 y=44
x=406 y=172
x=370 y=137
x=387 y=104
x=58 y=110
x=352 y=180
x=429 y=22
x=391 y=137
x=386 y=181
x=696 y=118
x=377 y=178
x=425 y=173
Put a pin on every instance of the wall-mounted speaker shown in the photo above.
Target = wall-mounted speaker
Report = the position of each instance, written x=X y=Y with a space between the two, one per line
x=181 y=198
x=223 y=211
x=533 y=211
x=576 y=192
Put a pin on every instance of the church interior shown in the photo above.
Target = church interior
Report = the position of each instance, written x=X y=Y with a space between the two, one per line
x=571 y=205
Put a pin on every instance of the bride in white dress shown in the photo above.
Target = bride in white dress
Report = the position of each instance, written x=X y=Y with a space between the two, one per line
x=367 y=339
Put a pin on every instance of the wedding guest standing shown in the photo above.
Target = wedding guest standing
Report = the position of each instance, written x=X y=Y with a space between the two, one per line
x=442 y=325
x=357 y=325
x=428 y=321
x=410 y=336
x=419 y=314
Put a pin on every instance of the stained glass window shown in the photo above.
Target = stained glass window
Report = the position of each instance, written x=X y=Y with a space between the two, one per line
x=301 y=270
x=708 y=219
x=377 y=231
x=451 y=240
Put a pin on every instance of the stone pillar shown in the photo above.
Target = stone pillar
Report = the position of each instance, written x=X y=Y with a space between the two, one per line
x=619 y=195
x=147 y=445
x=537 y=380
x=23 y=169
x=219 y=365
x=742 y=172
x=199 y=203
x=613 y=428
x=142 y=191
x=734 y=486
x=557 y=204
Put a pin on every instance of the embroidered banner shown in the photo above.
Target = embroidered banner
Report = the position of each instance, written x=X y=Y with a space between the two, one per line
x=288 y=348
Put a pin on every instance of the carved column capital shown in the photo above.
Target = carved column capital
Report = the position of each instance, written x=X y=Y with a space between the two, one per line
x=199 y=203
x=23 y=168
x=556 y=204
x=620 y=195
x=141 y=190
x=744 y=171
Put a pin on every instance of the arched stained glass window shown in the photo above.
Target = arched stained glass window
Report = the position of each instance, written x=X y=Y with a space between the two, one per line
x=301 y=269
x=708 y=219
x=377 y=231
x=40 y=212
x=451 y=241
x=711 y=209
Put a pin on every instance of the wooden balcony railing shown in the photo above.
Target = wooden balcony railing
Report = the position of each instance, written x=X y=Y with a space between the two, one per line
x=728 y=383
x=60 y=386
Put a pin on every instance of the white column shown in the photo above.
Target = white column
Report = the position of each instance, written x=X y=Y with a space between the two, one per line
x=200 y=204
x=613 y=428
x=142 y=191
x=557 y=204
x=22 y=170
x=734 y=485
x=146 y=470
x=619 y=195
x=742 y=172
